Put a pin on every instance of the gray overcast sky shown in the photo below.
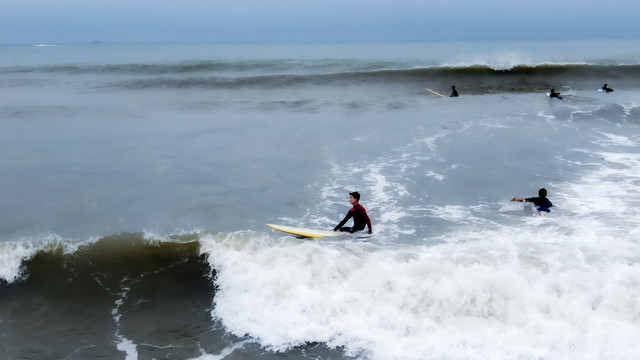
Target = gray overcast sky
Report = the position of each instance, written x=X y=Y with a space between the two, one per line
x=67 y=21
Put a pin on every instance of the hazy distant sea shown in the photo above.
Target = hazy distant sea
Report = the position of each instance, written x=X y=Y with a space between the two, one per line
x=136 y=179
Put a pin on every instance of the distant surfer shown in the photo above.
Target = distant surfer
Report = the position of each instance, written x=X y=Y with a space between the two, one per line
x=554 y=94
x=359 y=215
x=541 y=202
x=606 y=88
x=454 y=92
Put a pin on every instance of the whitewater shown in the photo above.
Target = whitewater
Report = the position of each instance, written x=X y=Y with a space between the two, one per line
x=138 y=178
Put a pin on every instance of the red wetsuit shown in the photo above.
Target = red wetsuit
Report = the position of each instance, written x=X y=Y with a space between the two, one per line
x=360 y=219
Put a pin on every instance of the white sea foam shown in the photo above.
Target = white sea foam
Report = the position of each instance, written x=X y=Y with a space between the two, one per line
x=490 y=294
x=612 y=189
x=434 y=175
x=11 y=257
x=128 y=347
x=14 y=253
x=614 y=139
x=125 y=345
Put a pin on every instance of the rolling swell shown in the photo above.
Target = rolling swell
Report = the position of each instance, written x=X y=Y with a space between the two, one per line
x=276 y=74
x=119 y=286
x=292 y=74
x=477 y=79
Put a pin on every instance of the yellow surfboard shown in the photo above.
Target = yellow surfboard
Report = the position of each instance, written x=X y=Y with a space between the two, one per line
x=309 y=233
x=433 y=92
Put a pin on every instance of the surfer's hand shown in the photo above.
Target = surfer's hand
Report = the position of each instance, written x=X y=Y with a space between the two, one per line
x=370 y=232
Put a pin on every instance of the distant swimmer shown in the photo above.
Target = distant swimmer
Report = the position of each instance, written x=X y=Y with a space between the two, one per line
x=554 y=94
x=359 y=215
x=541 y=202
x=607 y=88
x=454 y=92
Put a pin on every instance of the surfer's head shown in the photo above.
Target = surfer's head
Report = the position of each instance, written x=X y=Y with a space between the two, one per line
x=542 y=192
x=355 y=195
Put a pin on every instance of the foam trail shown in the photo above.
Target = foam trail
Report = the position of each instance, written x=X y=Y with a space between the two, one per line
x=223 y=354
x=125 y=345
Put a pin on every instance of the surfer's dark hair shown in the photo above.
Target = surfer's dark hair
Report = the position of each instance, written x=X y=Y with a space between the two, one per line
x=355 y=195
x=542 y=192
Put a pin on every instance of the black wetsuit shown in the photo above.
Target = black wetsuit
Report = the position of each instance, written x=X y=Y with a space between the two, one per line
x=541 y=202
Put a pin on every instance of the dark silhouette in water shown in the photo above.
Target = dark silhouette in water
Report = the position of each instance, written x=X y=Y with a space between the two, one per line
x=541 y=202
x=607 y=88
x=554 y=94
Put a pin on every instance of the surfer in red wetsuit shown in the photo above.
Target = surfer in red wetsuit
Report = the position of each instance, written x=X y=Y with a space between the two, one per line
x=359 y=215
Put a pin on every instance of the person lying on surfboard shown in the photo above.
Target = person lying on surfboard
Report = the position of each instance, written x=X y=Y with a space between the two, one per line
x=541 y=202
x=606 y=88
x=359 y=215
x=554 y=94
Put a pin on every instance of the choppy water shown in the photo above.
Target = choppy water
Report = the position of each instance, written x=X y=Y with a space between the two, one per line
x=137 y=180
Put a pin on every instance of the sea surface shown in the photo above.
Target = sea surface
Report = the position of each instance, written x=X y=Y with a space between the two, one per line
x=136 y=181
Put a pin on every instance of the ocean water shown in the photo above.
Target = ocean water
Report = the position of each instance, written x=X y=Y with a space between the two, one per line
x=136 y=181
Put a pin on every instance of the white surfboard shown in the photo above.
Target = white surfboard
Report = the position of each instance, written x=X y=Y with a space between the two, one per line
x=314 y=233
